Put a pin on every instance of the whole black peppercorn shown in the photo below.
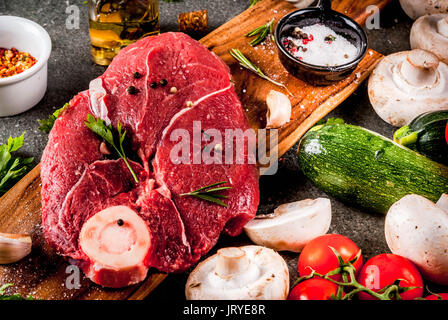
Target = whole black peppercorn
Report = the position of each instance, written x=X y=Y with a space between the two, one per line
x=163 y=82
x=120 y=222
x=153 y=85
x=137 y=75
x=132 y=90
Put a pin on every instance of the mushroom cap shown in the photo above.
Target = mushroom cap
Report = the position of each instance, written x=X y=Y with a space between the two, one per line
x=244 y=273
x=407 y=84
x=431 y=33
x=417 y=229
x=417 y=8
x=292 y=225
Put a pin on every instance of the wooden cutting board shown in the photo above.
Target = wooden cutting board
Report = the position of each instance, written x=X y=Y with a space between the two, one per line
x=43 y=273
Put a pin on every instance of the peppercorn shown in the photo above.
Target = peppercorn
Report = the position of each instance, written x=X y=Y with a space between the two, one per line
x=137 y=75
x=163 y=82
x=153 y=84
x=132 y=90
x=120 y=222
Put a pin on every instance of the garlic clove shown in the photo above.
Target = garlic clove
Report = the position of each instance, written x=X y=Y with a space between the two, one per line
x=279 y=109
x=14 y=247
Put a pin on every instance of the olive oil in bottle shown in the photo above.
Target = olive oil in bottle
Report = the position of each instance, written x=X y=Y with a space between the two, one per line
x=114 y=24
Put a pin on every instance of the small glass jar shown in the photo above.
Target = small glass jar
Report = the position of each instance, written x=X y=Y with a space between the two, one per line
x=114 y=24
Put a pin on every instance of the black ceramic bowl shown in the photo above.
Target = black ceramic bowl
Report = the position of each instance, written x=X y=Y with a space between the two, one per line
x=341 y=24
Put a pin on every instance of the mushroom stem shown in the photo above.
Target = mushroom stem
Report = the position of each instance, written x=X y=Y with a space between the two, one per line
x=231 y=261
x=420 y=68
x=442 y=27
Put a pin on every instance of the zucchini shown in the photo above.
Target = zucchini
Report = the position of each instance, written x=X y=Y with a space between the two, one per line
x=426 y=135
x=365 y=169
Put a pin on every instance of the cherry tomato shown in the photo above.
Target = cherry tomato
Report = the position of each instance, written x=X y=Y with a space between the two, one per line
x=385 y=269
x=446 y=133
x=317 y=255
x=444 y=296
x=314 y=289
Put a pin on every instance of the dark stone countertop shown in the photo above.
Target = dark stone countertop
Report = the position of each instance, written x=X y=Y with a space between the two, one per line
x=71 y=69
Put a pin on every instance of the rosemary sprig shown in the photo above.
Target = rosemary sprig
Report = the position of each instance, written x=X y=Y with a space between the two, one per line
x=253 y=2
x=246 y=63
x=261 y=32
x=106 y=132
x=210 y=193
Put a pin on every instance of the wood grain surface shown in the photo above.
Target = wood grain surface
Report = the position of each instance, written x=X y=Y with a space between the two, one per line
x=43 y=273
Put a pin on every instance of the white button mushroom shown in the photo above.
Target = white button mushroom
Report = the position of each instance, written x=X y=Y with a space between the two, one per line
x=417 y=229
x=245 y=273
x=418 y=8
x=279 y=109
x=292 y=225
x=407 y=84
x=431 y=33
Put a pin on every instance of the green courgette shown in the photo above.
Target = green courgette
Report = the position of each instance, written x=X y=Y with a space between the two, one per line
x=426 y=135
x=365 y=169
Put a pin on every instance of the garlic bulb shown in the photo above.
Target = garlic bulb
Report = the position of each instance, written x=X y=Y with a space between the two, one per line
x=14 y=247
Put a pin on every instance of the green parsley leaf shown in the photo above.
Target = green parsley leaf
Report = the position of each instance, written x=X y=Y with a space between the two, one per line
x=12 y=168
x=98 y=127
x=47 y=124
x=16 y=296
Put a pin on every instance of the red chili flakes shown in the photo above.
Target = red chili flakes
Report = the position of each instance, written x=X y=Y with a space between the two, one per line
x=13 y=62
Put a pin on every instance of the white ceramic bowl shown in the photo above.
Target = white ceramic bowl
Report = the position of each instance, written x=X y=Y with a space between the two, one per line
x=23 y=91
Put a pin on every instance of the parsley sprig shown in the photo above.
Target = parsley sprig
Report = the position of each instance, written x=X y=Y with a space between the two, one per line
x=261 y=32
x=210 y=193
x=45 y=125
x=107 y=133
x=12 y=168
x=16 y=296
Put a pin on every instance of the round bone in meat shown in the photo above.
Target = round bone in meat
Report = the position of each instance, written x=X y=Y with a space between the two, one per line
x=118 y=240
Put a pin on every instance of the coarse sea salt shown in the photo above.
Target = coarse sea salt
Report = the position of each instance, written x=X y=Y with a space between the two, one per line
x=320 y=50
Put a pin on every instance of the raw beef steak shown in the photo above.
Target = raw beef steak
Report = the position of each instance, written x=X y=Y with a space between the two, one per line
x=95 y=213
